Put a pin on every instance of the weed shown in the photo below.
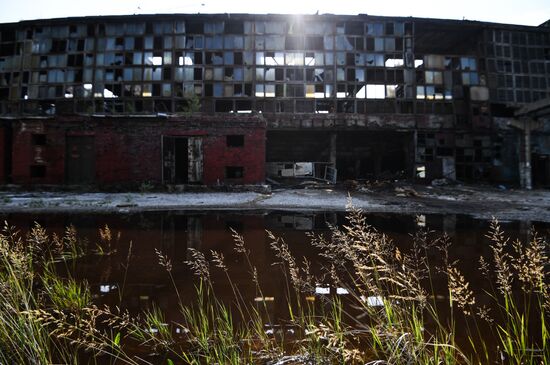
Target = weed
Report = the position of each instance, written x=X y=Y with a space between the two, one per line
x=146 y=186
x=36 y=204
x=388 y=314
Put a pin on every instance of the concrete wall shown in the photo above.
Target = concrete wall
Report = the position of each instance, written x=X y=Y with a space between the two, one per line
x=129 y=151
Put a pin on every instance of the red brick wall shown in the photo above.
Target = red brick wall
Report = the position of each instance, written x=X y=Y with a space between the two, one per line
x=25 y=154
x=134 y=154
x=251 y=156
x=126 y=155
x=128 y=151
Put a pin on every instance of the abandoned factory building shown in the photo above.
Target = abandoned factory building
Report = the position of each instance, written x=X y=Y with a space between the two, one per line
x=236 y=98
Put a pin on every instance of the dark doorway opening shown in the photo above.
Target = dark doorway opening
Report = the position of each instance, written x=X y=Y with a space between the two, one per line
x=175 y=152
x=80 y=160
x=182 y=160
x=541 y=170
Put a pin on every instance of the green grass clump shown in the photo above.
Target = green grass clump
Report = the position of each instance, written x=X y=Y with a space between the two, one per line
x=389 y=310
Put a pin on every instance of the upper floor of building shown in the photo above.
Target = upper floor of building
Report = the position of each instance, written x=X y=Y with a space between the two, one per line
x=244 y=63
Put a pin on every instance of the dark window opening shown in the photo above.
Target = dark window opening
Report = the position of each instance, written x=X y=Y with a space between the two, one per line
x=294 y=43
x=236 y=140
x=322 y=106
x=138 y=43
x=314 y=43
x=197 y=74
x=59 y=46
x=234 y=172
x=158 y=43
x=237 y=58
x=305 y=106
x=234 y=27
x=198 y=57
x=355 y=28
x=389 y=28
x=38 y=171
x=90 y=30
x=195 y=28
x=224 y=106
x=243 y=105
x=39 y=139
x=208 y=90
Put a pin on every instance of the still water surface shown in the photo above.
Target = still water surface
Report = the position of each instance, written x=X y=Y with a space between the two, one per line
x=143 y=281
x=132 y=278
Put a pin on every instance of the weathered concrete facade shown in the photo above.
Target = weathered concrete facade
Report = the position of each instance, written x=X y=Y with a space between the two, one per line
x=366 y=96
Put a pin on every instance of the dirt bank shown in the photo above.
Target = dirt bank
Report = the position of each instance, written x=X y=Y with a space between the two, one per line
x=478 y=201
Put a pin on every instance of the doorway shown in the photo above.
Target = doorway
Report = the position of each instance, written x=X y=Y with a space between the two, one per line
x=80 y=160
x=181 y=160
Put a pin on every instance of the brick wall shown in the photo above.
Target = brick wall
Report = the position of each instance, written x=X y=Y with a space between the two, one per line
x=251 y=156
x=129 y=151
x=26 y=154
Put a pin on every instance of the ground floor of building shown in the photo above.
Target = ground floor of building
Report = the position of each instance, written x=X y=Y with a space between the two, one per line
x=236 y=150
x=134 y=151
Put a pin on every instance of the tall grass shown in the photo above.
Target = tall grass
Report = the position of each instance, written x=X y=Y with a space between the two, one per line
x=387 y=310
x=46 y=318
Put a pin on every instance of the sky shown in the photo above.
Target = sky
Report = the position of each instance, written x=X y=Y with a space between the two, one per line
x=526 y=12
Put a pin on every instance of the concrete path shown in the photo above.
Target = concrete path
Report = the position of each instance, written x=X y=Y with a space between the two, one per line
x=478 y=201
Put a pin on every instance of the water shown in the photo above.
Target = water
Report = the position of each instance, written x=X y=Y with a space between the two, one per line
x=132 y=278
x=172 y=233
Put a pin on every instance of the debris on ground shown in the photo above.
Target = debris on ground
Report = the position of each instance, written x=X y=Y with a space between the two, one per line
x=442 y=182
x=481 y=201
x=405 y=191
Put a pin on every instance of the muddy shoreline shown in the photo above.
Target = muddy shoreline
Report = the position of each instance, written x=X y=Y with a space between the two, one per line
x=478 y=201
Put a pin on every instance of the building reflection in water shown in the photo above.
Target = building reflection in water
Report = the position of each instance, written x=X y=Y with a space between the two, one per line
x=133 y=279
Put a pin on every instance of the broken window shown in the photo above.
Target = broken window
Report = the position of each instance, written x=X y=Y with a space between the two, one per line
x=372 y=59
x=343 y=43
x=375 y=91
x=340 y=74
x=294 y=59
x=433 y=77
x=294 y=91
x=294 y=74
x=194 y=28
x=393 y=62
x=328 y=42
x=323 y=107
x=274 y=58
x=213 y=27
x=215 y=42
x=468 y=64
x=269 y=90
x=233 y=42
x=375 y=29
x=234 y=27
x=434 y=61
x=470 y=78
